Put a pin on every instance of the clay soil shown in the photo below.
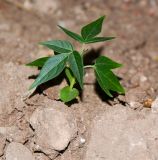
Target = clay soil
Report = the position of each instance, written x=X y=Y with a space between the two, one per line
x=22 y=26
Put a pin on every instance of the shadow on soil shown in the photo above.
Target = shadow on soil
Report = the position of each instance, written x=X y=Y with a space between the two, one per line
x=91 y=55
x=104 y=97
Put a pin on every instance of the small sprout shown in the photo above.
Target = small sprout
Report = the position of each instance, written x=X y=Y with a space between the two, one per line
x=68 y=59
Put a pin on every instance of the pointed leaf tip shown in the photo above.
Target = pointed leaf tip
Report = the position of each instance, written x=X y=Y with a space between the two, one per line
x=51 y=69
x=38 y=62
x=92 y=29
x=71 y=34
x=107 y=63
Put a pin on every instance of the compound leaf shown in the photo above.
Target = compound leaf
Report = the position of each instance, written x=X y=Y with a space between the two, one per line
x=108 y=81
x=107 y=63
x=38 y=62
x=76 y=66
x=72 y=34
x=92 y=29
x=67 y=94
x=59 y=46
x=51 y=69
x=98 y=39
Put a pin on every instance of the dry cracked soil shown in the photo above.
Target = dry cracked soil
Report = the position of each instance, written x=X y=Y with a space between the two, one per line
x=37 y=126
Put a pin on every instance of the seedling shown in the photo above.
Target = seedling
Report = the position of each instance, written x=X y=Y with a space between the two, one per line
x=67 y=59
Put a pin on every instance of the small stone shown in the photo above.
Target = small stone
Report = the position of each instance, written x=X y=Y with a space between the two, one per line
x=82 y=140
x=147 y=103
x=17 y=151
x=135 y=98
x=134 y=105
x=154 y=106
x=143 y=78
x=54 y=127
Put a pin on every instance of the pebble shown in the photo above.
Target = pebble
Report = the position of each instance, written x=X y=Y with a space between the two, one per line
x=82 y=140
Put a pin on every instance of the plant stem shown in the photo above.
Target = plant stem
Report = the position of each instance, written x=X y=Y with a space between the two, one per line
x=72 y=83
x=70 y=77
x=82 y=49
x=89 y=66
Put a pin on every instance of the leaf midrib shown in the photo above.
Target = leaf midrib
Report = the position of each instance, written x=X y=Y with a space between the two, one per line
x=46 y=74
x=102 y=64
x=77 y=69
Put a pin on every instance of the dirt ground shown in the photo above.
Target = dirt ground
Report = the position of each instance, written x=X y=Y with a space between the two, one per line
x=101 y=128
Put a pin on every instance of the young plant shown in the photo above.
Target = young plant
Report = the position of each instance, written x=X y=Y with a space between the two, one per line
x=71 y=61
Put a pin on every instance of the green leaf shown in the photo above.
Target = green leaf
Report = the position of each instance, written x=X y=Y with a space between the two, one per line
x=67 y=94
x=72 y=34
x=51 y=69
x=38 y=62
x=59 y=46
x=92 y=29
x=107 y=63
x=108 y=81
x=76 y=66
x=98 y=39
